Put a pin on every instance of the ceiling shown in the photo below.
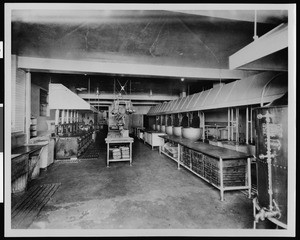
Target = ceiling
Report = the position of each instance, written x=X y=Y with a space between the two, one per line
x=185 y=38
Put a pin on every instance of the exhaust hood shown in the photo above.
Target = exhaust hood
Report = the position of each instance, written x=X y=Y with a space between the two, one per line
x=258 y=89
x=60 y=97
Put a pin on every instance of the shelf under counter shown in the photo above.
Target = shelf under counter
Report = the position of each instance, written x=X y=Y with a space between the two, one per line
x=223 y=168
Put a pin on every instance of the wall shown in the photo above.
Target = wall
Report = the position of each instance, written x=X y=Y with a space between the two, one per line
x=18 y=136
x=36 y=85
x=221 y=116
x=218 y=116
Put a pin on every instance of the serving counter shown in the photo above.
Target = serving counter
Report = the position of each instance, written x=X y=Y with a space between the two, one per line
x=119 y=148
x=223 y=168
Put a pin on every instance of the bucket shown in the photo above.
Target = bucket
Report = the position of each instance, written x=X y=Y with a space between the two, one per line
x=169 y=130
x=177 y=131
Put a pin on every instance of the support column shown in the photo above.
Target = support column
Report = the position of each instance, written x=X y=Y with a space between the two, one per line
x=232 y=123
x=251 y=130
x=71 y=116
x=247 y=125
x=228 y=125
x=62 y=116
x=237 y=111
x=27 y=105
x=67 y=117
x=56 y=117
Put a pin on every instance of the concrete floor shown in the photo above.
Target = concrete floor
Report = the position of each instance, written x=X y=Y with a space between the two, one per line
x=150 y=194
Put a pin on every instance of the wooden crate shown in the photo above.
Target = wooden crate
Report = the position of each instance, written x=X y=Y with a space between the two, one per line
x=234 y=171
x=197 y=162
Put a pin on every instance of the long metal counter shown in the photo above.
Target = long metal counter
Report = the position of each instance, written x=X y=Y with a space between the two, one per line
x=223 y=168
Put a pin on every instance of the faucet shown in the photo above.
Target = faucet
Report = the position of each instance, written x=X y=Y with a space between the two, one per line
x=265 y=213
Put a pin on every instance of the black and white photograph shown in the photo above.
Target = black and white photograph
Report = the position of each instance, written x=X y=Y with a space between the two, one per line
x=149 y=120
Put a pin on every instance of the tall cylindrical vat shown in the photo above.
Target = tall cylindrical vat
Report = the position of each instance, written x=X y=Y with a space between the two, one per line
x=271 y=125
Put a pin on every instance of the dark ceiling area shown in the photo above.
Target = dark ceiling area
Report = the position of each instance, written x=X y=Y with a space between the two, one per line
x=113 y=84
x=150 y=37
x=156 y=37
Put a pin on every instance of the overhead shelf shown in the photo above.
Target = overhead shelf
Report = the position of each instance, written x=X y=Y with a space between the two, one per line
x=60 y=97
x=258 y=89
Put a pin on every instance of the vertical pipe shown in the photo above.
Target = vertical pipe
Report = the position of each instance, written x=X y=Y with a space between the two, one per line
x=27 y=105
x=203 y=124
x=251 y=131
x=62 y=116
x=255 y=37
x=71 y=116
x=237 y=124
x=228 y=133
x=231 y=120
x=247 y=125
x=249 y=175
x=56 y=117
x=67 y=117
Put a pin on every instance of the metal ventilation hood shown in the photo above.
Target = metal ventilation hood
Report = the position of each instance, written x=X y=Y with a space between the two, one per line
x=272 y=42
x=60 y=97
x=258 y=89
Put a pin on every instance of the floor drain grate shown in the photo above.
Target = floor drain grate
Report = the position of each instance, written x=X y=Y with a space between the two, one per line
x=24 y=211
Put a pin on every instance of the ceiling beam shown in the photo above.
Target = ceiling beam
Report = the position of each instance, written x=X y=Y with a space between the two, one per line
x=271 y=42
x=96 y=103
x=93 y=67
x=137 y=97
x=241 y=14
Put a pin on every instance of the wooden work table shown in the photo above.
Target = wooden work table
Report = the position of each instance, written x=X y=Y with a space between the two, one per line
x=116 y=138
x=23 y=150
x=20 y=166
x=223 y=168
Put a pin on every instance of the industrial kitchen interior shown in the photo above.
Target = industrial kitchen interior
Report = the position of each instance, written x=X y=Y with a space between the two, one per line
x=149 y=121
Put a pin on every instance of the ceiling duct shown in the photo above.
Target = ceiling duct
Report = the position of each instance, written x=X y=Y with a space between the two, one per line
x=258 y=89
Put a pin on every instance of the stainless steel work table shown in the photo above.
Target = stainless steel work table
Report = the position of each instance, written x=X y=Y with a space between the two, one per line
x=115 y=137
x=220 y=156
